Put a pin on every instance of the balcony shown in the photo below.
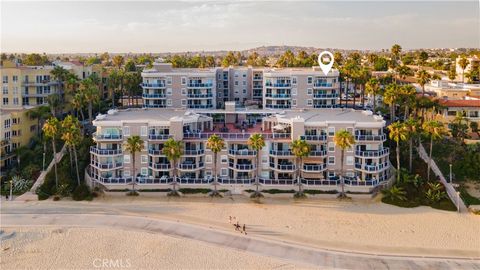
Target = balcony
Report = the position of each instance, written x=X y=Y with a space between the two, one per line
x=257 y=78
x=242 y=152
x=372 y=167
x=106 y=165
x=207 y=95
x=276 y=182
x=278 y=85
x=283 y=167
x=154 y=105
x=371 y=138
x=275 y=106
x=105 y=152
x=242 y=167
x=319 y=106
x=190 y=166
x=228 y=181
x=323 y=85
x=41 y=83
x=154 y=95
x=155 y=152
x=159 y=137
x=199 y=85
x=107 y=137
x=159 y=166
x=325 y=96
x=281 y=153
x=193 y=152
x=314 y=168
x=278 y=96
x=200 y=106
x=318 y=153
x=153 y=85
x=111 y=180
x=373 y=153
x=314 y=137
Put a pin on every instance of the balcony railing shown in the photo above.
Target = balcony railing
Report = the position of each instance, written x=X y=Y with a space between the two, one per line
x=187 y=166
x=111 y=180
x=107 y=152
x=194 y=181
x=318 y=153
x=154 y=105
x=208 y=95
x=243 y=167
x=114 y=137
x=275 y=106
x=159 y=166
x=159 y=136
x=107 y=165
x=228 y=181
x=154 y=95
x=278 y=84
x=193 y=152
x=281 y=153
x=242 y=152
x=155 y=152
x=325 y=96
x=373 y=153
x=372 y=167
x=200 y=106
x=283 y=182
x=202 y=85
x=283 y=167
x=314 y=168
x=319 y=182
x=318 y=106
x=322 y=84
x=236 y=136
x=257 y=78
x=153 y=85
x=314 y=137
x=270 y=95
x=370 y=138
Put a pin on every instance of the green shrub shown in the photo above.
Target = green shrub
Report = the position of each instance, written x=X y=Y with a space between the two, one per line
x=195 y=190
x=132 y=193
x=249 y=190
x=43 y=196
x=155 y=190
x=277 y=191
x=467 y=198
x=405 y=204
x=314 y=191
x=299 y=195
x=81 y=193
x=56 y=198
x=256 y=195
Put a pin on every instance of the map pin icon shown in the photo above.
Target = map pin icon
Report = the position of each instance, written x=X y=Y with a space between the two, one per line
x=325 y=67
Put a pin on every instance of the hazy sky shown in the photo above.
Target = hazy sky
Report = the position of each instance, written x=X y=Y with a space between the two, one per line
x=215 y=25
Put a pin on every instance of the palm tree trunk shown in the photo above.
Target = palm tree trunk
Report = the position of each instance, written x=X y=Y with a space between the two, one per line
x=410 y=146
x=215 y=171
x=70 y=156
x=374 y=102
x=363 y=95
x=55 y=161
x=90 y=108
x=430 y=160
x=342 y=180
x=354 y=94
x=113 y=99
x=256 y=174
x=398 y=160
x=76 y=163
x=174 y=176
x=134 y=179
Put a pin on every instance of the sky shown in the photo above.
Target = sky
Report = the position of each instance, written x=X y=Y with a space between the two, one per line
x=83 y=27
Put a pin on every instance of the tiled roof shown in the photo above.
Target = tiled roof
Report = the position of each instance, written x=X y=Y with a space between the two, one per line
x=460 y=103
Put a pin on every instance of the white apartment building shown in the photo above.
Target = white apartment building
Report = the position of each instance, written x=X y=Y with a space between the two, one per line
x=366 y=164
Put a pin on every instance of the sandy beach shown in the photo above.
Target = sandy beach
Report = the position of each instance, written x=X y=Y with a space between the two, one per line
x=363 y=226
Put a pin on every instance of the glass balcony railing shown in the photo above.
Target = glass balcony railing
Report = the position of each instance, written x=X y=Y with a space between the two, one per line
x=314 y=168
x=202 y=85
x=106 y=152
x=281 y=153
x=314 y=137
x=154 y=95
x=242 y=152
x=369 y=138
x=270 y=95
x=159 y=166
x=106 y=165
x=373 y=153
x=206 y=95
x=107 y=136
x=153 y=85
x=159 y=136
x=325 y=96
x=193 y=152
x=275 y=106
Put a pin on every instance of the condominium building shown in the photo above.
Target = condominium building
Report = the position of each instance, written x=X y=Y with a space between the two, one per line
x=26 y=85
x=449 y=90
x=366 y=163
x=272 y=88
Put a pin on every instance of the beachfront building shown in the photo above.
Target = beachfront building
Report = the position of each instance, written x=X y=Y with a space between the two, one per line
x=270 y=88
x=469 y=108
x=366 y=164
x=449 y=90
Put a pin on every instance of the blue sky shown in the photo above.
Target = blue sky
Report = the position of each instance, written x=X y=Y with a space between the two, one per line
x=215 y=25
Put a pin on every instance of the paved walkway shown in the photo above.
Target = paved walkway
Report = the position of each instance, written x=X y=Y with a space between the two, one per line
x=304 y=255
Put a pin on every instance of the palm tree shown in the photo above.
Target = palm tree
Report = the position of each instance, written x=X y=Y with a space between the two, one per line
x=372 y=88
x=404 y=71
x=300 y=149
x=344 y=140
x=390 y=97
x=423 y=77
x=215 y=143
x=133 y=145
x=118 y=61
x=407 y=96
x=60 y=74
x=40 y=113
x=78 y=102
x=256 y=142
x=435 y=130
x=396 y=50
x=412 y=127
x=71 y=136
x=452 y=74
x=91 y=95
x=463 y=63
x=115 y=83
x=398 y=133
x=50 y=129
x=54 y=103
x=173 y=150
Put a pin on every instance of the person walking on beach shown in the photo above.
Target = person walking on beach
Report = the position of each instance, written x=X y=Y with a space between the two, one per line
x=230 y=220
x=244 y=229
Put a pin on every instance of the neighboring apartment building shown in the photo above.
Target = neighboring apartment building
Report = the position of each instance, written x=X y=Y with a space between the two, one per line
x=449 y=90
x=366 y=164
x=470 y=108
x=286 y=88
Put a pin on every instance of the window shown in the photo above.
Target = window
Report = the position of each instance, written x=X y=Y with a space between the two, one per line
x=184 y=102
x=169 y=102
x=331 y=131
x=236 y=82
x=294 y=91
x=5 y=79
x=244 y=75
x=331 y=160
x=331 y=147
x=15 y=78
x=5 y=90
x=309 y=80
x=350 y=174
x=5 y=101
x=224 y=172
x=126 y=131
x=244 y=91
x=144 y=171
x=184 y=81
x=14 y=121
x=294 y=80
x=15 y=90
x=294 y=102
x=15 y=101
x=208 y=158
x=184 y=92
x=309 y=91
x=143 y=131
x=169 y=80
x=144 y=159
x=309 y=102
x=224 y=159
x=265 y=159
x=349 y=160
x=169 y=91
x=126 y=158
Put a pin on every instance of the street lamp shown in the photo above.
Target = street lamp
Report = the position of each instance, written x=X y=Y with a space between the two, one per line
x=450 y=173
x=11 y=189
